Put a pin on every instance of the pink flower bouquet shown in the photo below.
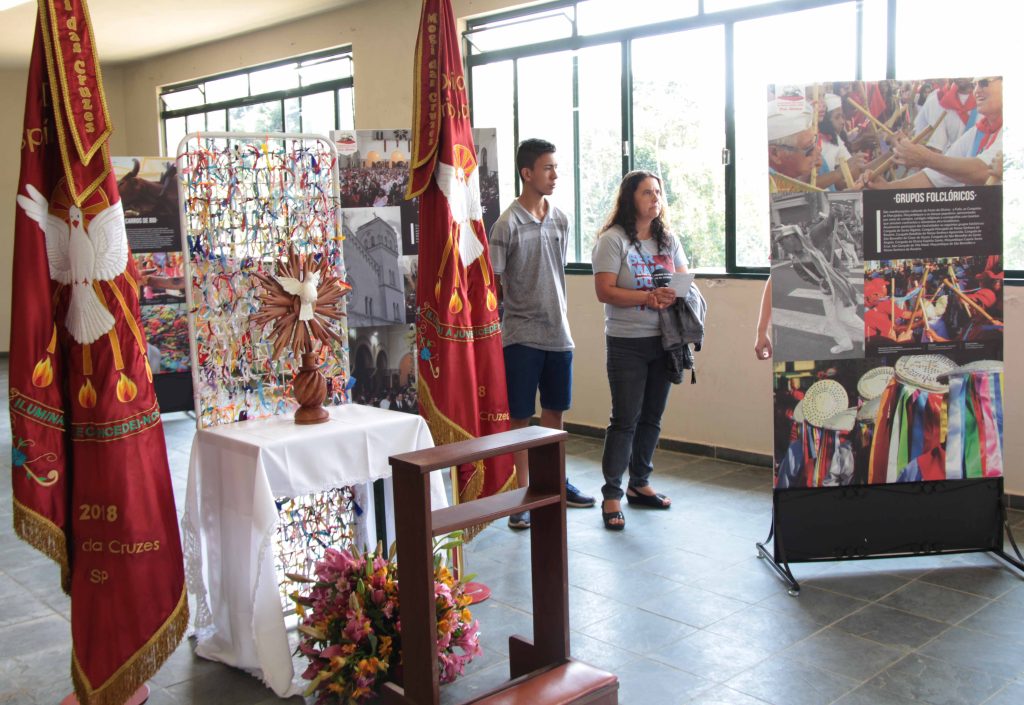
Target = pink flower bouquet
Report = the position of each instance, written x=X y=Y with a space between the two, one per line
x=351 y=630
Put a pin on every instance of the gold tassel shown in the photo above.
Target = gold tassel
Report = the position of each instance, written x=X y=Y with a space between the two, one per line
x=46 y=537
x=138 y=669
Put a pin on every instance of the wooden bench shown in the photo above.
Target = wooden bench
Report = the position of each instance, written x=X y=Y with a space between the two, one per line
x=542 y=673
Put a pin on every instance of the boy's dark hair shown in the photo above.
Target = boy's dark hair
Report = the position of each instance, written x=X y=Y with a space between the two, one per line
x=529 y=150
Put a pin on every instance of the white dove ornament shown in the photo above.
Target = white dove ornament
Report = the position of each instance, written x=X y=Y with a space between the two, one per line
x=462 y=190
x=79 y=256
x=306 y=290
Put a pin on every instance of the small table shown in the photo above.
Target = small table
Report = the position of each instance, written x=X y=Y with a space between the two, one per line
x=235 y=473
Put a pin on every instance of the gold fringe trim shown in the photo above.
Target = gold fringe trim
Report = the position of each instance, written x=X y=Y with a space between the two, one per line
x=44 y=536
x=446 y=431
x=138 y=669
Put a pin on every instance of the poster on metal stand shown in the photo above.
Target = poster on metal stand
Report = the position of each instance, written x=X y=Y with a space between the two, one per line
x=149 y=194
x=887 y=320
x=381 y=251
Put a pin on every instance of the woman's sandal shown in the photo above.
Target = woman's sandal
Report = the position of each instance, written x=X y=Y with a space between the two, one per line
x=652 y=501
x=609 y=517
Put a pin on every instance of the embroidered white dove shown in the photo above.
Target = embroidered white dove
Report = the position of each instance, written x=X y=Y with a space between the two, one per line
x=463 y=193
x=306 y=290
x=79 y=256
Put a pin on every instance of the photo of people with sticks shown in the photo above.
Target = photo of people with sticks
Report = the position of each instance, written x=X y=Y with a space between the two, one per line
x=817 y=275
x=846 y=136
x=933 y=304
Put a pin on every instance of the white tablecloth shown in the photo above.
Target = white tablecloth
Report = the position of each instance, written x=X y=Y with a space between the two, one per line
x=235 y=472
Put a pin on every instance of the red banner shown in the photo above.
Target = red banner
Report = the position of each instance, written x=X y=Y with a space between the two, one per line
x=461 y=366
x=92 y=488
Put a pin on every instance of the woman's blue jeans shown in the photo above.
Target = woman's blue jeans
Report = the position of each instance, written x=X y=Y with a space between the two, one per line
x=639 y=383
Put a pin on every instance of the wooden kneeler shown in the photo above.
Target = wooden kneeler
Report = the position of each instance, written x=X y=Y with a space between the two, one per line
x=541 y=671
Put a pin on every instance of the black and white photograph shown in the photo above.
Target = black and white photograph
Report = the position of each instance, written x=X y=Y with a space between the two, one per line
x=410 y=265
x=817 y=275
x=371 y=260
x=384 y=366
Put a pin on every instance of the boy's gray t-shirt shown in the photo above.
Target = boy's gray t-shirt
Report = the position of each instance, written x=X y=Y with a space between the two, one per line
x=529 y=255
x=633 y=268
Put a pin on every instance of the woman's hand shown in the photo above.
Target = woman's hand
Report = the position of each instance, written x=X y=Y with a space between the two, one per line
x=660 y=298
x=762 y=346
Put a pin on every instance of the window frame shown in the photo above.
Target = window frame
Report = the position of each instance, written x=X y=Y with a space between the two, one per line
x=331 y=86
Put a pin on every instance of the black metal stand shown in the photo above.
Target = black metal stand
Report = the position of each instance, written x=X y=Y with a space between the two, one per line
x=781 y=568
x=813 y=525
x=1017 y=562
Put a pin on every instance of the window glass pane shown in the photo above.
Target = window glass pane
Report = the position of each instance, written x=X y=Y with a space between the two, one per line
x=318 y=113
x=523 y=31
x=262 y=117
x=764 y=57
x=321 y=70
x=279 y=78
x=229 y=88
x=600 y=72
x=216 y=121
x=595 y=16
x=196 y=123
x=346 y=109
x=182 y=99
x=174 y=131
x=492 y=107
x=873 y=49
x=992 y=52
x=720 y=5
x=679 y=133
x=292 y=118
x=545 y=111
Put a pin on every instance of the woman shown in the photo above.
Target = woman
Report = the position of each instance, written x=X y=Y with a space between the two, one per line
x=632 y=245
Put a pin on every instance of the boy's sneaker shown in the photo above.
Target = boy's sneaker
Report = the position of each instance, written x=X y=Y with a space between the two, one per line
x=575 y=498
x=519 y=521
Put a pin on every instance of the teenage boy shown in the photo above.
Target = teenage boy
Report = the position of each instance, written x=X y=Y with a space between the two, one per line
x=529 y=244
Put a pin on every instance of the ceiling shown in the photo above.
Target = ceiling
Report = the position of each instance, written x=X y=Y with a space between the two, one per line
x=127 y=30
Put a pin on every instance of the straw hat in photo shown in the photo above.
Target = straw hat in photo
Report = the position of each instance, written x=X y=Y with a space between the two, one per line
x=868 y=411
x=843 y=421
x=873 y=382
x=983 y=366
x=798 y=412
x=823 y=400
x=924 y=370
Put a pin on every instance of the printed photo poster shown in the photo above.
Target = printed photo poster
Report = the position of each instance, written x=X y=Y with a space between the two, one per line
x=381 y=254
x=374 y=172
x=887 y=273
x=149 y=196
x=384 y=367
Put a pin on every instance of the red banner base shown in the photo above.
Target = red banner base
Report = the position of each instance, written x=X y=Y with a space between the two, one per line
x=138 y=697
x=477 y=592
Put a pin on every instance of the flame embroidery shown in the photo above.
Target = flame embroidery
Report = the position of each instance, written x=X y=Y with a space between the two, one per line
x=455 y=302
x=87 y=395
x=126 y=389
x=42 y=375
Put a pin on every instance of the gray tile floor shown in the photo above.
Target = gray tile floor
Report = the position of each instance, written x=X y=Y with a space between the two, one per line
x=678 y=606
